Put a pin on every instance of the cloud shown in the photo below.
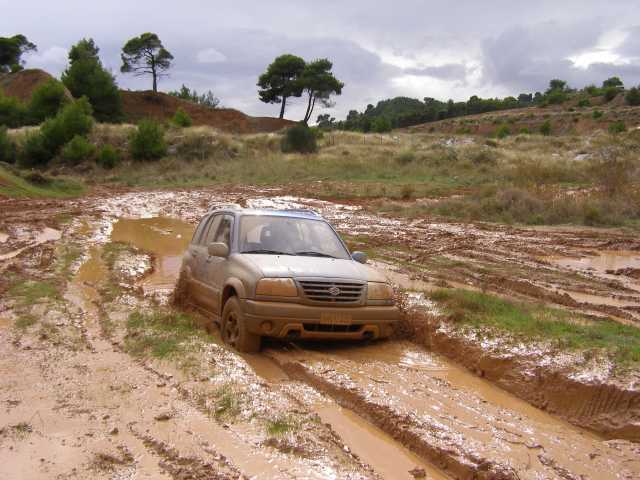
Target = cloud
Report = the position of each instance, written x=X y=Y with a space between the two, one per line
x=53 y=58
x=210 y=55
x=452 y=71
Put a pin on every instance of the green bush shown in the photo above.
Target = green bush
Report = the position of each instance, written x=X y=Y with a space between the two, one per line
x=525 y=131
x=617 y=127
x=108 y=157
x=78 y=150
x=46 y=101
x=633 y=96
x=182 y=119
x=597 y=114
x=13 y=113
x=7 y=147
x=503 y=131
x=381 y=125
x=556 y=97
x=406 y=157
x=299 y=139
x=545 y=128
x=147 y=142
x=610 y=93
x=74 y=119
x=34 y=151
x=584 y=102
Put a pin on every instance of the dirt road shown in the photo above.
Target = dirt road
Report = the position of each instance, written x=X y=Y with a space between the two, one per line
x=81 y=396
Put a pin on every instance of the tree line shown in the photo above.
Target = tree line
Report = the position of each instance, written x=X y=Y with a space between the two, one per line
x=401 y=112
x=289 y=76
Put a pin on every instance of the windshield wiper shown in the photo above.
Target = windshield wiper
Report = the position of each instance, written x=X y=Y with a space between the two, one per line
x=266 y=252
x=315 y=254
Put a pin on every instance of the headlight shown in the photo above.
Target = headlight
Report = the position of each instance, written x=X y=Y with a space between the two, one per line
x=277 y=287
x=379 y=291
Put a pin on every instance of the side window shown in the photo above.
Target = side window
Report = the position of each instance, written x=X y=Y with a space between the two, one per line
x=207 y=238
x=197 y=236
x=224 y=230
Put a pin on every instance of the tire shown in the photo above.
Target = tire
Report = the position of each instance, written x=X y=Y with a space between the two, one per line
x=234 y=329
x=181 y=291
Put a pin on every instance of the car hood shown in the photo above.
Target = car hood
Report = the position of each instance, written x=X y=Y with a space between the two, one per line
x=292 y=266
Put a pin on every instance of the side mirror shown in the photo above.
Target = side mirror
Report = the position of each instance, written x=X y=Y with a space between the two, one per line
x=218 y=250
x=360 y=257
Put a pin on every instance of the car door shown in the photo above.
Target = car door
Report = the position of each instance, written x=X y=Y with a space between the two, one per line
x=215 y=267
x=200 y=256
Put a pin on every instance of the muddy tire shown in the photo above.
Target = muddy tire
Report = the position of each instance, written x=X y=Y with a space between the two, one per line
x=234 y=329
x=181 y=293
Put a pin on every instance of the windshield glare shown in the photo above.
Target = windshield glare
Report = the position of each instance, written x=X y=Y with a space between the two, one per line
x=289 y=236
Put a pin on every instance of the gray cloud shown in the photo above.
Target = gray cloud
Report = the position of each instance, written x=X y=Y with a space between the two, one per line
x=414 y=47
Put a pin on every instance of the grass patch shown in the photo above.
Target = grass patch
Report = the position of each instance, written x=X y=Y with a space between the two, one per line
x=537 y=322
x=227 y=402
x=12 y=185
x=67 y=256
x=29 y=292
x=23 y=322
x=280 y=426
x=161 y=334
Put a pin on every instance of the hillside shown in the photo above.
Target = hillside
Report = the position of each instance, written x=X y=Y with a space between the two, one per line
x=565 y=119
x=139 y=105
x=160 y=106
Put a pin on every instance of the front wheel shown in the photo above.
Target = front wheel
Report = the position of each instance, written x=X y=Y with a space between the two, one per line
x=234 y=329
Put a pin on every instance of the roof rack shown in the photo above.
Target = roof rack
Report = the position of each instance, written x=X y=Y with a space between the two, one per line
x=302 y=210
x=224 y=206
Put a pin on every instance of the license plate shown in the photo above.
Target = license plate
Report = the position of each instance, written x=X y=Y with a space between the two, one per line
x=335 y=318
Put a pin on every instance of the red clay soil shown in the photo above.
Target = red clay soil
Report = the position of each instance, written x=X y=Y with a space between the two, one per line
x=140 y=105
x=22 y=84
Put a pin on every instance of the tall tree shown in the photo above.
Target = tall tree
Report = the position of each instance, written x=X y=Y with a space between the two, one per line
x=319 y=83
x=281 y=81
x=11 y=51
x=85 y=76
x=145 y=55
x=613 y=82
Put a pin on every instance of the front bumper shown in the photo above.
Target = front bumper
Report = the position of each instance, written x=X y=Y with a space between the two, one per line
x=293 y=320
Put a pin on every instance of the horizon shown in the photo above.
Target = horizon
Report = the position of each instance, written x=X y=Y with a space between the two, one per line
x=378 y=54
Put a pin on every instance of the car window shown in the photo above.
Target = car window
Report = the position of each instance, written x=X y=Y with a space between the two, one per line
x=211 y=230
x=223 y=234
x=199 y=233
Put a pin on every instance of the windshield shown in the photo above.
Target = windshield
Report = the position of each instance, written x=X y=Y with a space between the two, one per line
x=289 y=236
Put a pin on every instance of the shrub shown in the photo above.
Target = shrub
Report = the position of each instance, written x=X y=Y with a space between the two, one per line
x=406 y=157
x=503 y=131
x=74 y=119
x=525 y=131
x=610 y=93
x=7 y=147
x=299 y=139
x=633 y=96
x=545 y=128
x=148 y=142
x=78 y=150
x=108 y=157
x=182 y=119
x=584 y=102
x=13 y=113
x=46 y=101
x=34 y=151
x=556 y=97
x=617 y=127
x=381 y=125
x=597 y=114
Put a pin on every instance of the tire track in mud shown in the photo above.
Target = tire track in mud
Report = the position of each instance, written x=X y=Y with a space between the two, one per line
x=456 y=426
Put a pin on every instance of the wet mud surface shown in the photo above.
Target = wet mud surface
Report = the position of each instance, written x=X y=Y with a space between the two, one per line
x=77 y=402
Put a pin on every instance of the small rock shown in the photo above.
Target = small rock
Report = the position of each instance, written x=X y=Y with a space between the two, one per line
x=114 y=431
x=418 y=473
x=163 y=417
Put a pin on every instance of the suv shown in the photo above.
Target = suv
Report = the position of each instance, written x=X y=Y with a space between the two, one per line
x=284 y=274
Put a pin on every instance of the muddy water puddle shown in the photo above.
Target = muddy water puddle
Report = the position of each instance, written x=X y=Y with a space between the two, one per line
x=163 y=237
x=614 y=265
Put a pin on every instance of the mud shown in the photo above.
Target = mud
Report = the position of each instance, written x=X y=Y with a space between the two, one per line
x=351 y=411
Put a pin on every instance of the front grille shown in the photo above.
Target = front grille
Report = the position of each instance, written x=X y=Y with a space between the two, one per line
x=332 y=291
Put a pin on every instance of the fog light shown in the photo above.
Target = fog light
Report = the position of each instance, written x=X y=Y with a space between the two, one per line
x=266 y=327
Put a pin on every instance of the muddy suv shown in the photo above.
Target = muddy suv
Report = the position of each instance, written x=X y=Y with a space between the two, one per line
x=284 y=274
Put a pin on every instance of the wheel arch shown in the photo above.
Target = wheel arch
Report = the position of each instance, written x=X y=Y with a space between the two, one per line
x=233 y=287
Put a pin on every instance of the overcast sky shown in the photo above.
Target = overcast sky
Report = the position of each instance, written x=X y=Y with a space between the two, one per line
x=379 y=49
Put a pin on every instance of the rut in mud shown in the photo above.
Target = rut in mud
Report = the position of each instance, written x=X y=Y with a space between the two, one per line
x=87 y=401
